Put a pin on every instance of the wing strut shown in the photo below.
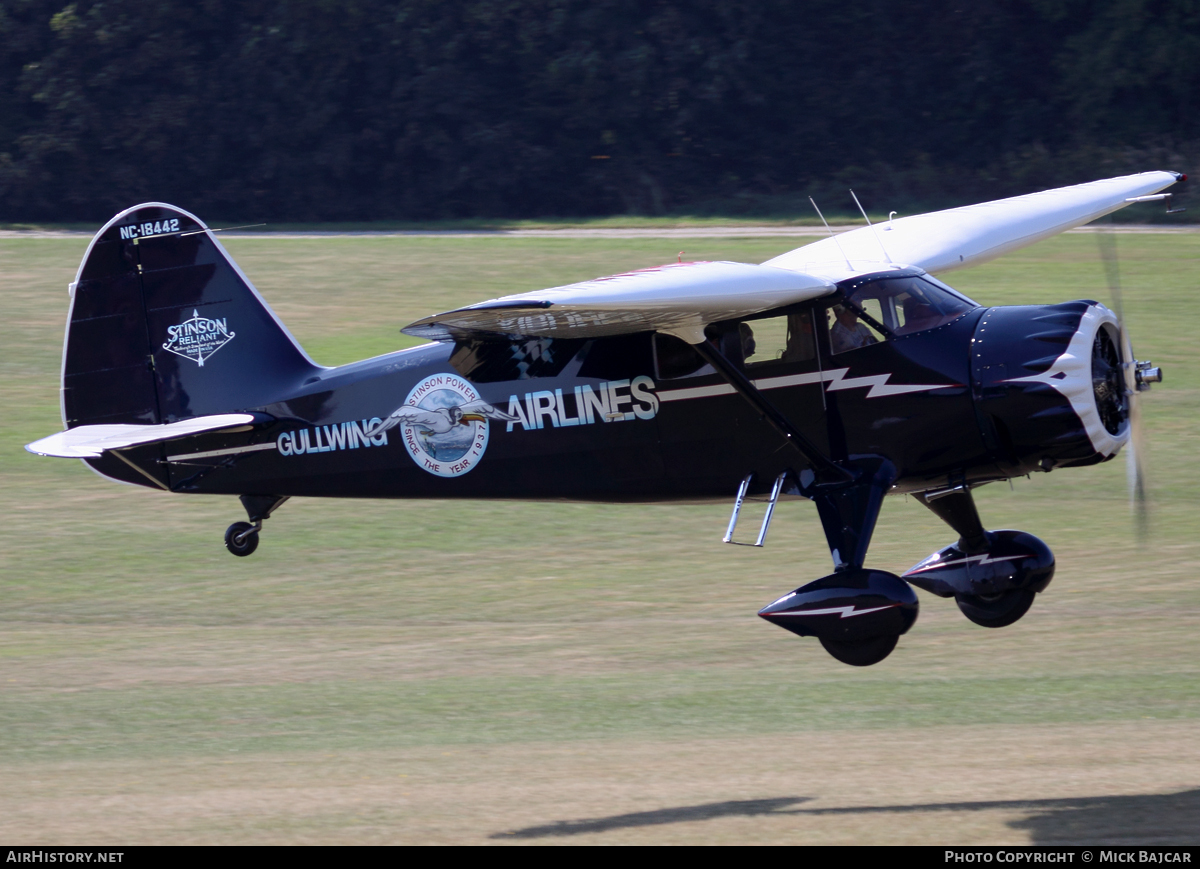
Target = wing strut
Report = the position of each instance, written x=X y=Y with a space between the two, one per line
x=827 y=473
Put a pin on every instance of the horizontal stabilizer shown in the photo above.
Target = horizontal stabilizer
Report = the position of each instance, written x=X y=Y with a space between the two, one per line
x=89 y=441
x=944 y=240
x=680 y=299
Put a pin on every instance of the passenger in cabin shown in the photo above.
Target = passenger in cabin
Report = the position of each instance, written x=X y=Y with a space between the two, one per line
x=847 y=333
x=748 y=343
x=800 y=344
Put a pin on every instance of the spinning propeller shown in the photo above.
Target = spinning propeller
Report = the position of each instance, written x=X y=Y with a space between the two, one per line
x=1118 y=377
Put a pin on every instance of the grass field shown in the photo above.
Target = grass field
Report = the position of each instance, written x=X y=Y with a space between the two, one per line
x=460 y=672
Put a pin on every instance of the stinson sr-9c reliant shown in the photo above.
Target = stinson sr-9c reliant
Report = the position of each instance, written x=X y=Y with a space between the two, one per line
x=840 y=372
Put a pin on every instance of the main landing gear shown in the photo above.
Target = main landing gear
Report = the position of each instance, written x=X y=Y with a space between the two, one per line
x=241 y=538
x=859 y=615
x=993 y=576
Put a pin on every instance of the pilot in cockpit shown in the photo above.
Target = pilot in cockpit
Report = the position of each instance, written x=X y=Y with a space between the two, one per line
x=847 y=333
x=918 y=316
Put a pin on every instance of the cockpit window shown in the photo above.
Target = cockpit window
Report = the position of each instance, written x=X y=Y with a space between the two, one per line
x=906 y=305
x=851 y=327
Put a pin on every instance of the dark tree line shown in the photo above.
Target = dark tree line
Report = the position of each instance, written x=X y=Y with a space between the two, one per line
x=416 y=109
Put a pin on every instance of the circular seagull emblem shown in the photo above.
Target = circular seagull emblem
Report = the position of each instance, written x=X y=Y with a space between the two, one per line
x=444 y=424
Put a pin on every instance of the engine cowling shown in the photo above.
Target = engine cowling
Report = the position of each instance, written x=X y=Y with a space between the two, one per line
x=1051 y=385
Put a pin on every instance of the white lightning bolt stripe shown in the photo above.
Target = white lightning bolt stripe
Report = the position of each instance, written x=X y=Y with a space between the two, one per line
x=846 y=611
x=982 y=559
x=879 y=385
x=836 y=378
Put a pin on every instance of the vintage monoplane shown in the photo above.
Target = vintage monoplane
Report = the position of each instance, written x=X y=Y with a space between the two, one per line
x=840 y=372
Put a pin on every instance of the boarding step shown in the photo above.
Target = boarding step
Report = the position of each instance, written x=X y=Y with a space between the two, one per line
x=741 y=500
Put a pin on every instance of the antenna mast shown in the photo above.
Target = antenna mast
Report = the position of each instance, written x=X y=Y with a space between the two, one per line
x=874 y=231
x=831 y=235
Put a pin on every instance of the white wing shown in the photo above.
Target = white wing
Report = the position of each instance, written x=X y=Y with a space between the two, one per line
x=682 y=299
x=89 y=441
x=677 y=298
x=967 y=236
x=484 y=409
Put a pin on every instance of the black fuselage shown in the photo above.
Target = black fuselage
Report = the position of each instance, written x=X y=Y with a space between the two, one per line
x=603 y=419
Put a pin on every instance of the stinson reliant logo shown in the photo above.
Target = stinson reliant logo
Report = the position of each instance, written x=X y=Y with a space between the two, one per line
x=198 y=338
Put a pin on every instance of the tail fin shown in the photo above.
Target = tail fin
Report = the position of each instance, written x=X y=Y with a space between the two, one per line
x=164 y=326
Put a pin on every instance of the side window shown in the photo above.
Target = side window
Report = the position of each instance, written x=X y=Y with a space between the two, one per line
x=675 y=358
x=851 y=328
x=618 y=356
x=778 y=339
x=750 y=343
x=493 y=361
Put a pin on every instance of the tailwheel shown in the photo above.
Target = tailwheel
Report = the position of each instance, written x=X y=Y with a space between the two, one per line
x=863 y=653
x=241 y=538
x=996 y=611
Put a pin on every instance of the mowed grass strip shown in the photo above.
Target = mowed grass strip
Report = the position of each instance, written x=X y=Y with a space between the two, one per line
x=128 y=634
x=157 y=721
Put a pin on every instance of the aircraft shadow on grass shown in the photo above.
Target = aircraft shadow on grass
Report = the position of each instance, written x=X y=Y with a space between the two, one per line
x=1153 y=819
x=677 y=815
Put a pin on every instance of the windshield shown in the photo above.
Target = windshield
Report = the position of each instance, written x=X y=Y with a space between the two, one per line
x=905 y=305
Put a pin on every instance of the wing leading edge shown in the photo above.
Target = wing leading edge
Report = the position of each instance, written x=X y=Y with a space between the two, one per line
x=959 y=237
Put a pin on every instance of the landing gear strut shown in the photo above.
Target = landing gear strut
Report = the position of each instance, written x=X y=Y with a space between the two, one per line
x=856 y=613
x=241 y=538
